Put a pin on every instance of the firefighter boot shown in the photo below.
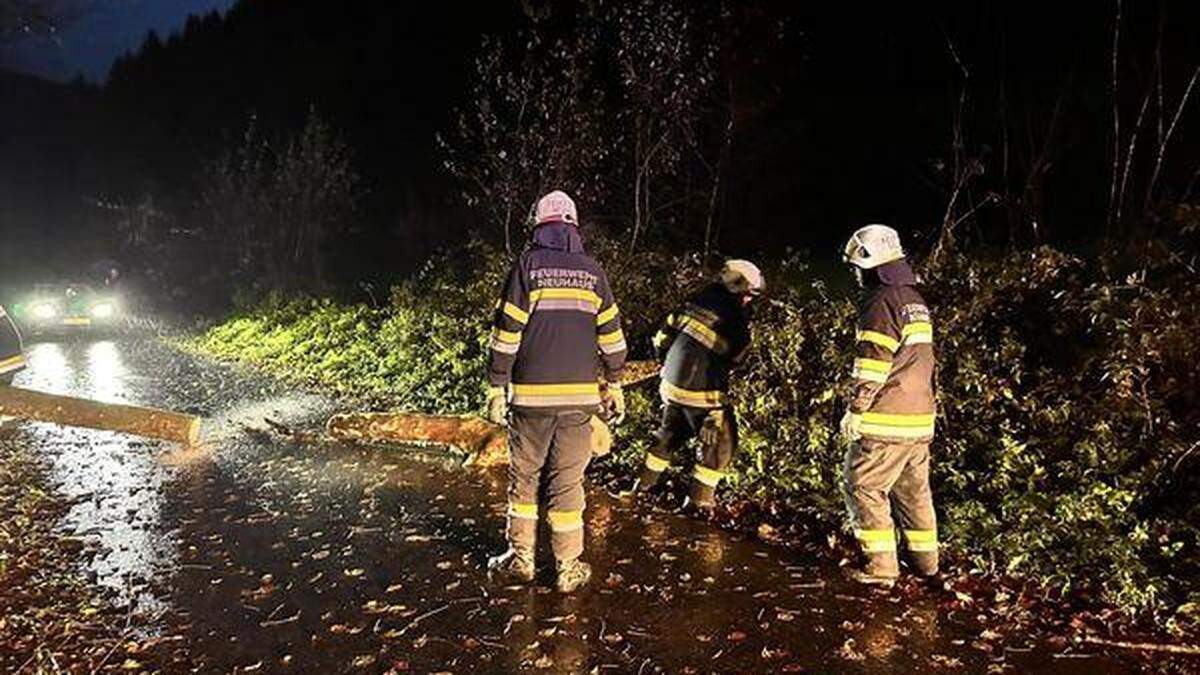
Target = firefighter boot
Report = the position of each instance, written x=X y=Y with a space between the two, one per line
x=514 y=566
x=572 y=574
x=700 y=510
x=867 y=578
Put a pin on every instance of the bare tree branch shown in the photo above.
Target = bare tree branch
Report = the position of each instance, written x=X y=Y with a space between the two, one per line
x=1116 y=116
x=1166 y=139
x=1132 y=147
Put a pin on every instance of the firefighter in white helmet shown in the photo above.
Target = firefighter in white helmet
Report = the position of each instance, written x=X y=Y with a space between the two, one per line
x=699 y=344
x=555 y=325
x=889 y=421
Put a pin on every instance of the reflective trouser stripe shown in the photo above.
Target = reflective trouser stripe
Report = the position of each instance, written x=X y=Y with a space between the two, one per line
x=877 y=541
x=707 y=476
x=521 y=510
x=921 y=540
x=565 y=521
x=897 y=425
x=12 y=363
x=695 y=399
x=656 y=464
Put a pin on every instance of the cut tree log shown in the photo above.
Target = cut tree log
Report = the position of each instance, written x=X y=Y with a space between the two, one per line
x=77 y=412
x=637 y=372
x=484 y=443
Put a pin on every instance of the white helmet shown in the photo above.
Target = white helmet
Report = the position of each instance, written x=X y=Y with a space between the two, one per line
x=555 y=207
x=872 y=246
x=742 y=277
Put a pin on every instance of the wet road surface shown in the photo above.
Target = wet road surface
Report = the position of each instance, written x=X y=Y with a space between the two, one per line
x=263 y=554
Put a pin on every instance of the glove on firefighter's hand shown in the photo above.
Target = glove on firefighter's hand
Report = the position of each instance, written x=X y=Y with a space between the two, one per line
x=661 y=343
x=711 y=429
x=602 y=439
x=851 y=427
x=614 y=402
x=497 y=405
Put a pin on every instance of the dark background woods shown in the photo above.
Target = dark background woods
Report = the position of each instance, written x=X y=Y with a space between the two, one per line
x=745 y=128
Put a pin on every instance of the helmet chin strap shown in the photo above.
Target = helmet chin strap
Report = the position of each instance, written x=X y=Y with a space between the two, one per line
x=858 y=276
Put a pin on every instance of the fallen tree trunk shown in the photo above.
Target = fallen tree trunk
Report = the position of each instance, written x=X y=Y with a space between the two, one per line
x=76 y=412
x=637 y=372
x=484 y=442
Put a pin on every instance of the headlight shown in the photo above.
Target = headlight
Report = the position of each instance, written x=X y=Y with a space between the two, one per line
x=103 y=310
x=44 y=310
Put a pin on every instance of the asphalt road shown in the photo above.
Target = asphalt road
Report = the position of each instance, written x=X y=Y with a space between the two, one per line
x=259 y=553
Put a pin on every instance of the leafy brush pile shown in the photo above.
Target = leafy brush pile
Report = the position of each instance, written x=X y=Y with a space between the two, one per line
x=1068 y=442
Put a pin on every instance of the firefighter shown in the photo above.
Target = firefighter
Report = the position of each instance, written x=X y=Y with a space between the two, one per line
x=12 y=358
x=698 y=345
x=889 y=423
x=555 y=320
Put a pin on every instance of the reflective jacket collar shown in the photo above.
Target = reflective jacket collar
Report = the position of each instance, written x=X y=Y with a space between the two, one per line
x=558 y=236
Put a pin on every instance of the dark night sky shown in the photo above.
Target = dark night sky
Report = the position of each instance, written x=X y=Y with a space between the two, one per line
x=109 y=29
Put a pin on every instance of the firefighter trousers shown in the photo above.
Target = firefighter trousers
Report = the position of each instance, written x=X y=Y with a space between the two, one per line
x=717 y=429
x=881 y=478
x=548 y=453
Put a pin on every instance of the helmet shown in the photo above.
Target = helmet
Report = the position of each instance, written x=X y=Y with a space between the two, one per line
x=872 y=246
x=555 y=207
x=742 y=277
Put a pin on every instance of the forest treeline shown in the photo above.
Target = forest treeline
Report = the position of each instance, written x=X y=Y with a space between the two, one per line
x=713 y=127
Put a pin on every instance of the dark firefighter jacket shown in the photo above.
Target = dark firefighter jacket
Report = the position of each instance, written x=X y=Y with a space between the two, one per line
x=698 y=346
x=11 y=357
x=893 y=374
x=556 y=325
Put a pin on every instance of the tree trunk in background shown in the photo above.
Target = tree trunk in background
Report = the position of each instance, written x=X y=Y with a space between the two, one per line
x=76 y=412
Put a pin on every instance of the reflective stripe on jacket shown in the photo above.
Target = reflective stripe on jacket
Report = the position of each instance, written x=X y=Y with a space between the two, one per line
x=556 y=325
x=894 y=369
x=12 y=358
x=699 y=344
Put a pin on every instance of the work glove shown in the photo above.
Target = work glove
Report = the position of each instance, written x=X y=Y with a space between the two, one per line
x=602 y=440
x=851 y=427
x=710 y=430
x=614 y=402
x=661 y=342
x=497 y=405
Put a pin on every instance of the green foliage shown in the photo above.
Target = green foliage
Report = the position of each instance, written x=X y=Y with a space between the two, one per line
x=1069 y=420
x=425 y=351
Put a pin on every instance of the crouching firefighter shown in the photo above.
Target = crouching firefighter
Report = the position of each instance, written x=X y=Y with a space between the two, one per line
x=555 y=320
x=889 y=423
x=698 y=345
x=12 y=357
